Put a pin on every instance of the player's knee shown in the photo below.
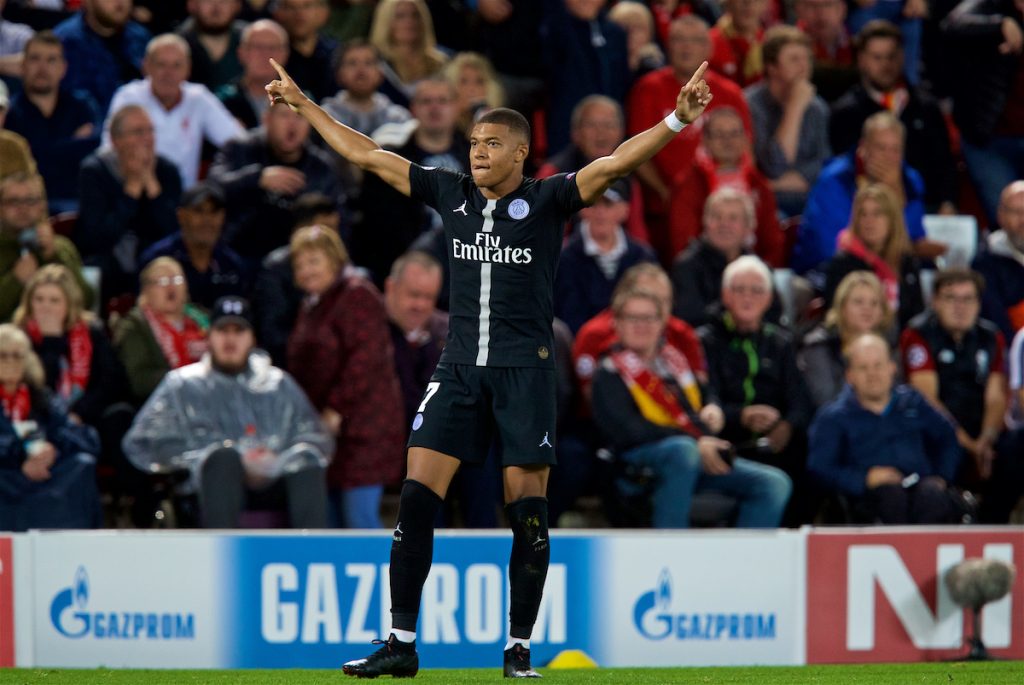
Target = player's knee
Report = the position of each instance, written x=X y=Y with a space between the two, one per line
x=528 y=518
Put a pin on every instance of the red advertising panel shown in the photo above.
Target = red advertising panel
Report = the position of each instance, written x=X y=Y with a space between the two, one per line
x=879 y=595
x=6 y=603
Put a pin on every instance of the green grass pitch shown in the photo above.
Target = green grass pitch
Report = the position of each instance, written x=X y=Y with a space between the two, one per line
x=992 y=673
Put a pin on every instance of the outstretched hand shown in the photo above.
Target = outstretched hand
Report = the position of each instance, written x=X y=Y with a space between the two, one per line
x=283 y=89
x=693 y=97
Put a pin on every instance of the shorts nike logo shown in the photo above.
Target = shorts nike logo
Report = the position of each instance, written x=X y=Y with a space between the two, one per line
x=545 y=442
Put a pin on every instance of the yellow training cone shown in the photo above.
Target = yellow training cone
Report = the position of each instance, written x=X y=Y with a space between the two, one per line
x=572 y=658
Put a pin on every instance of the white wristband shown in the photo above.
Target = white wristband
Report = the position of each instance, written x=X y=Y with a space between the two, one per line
x=673 y=122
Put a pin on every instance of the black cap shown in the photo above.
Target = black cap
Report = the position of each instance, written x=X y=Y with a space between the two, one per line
x=231 y=309
x=619 y=191
x=203 y=192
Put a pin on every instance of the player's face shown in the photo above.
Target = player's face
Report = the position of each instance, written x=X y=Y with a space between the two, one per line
x=870 y=372
x=230 y=345
x=44 y=67
x=862 y=310
x=957 y=307
x=747 y=297
x=639 y=325
x=167 y=68
x=494 y=154
x=881 y=63
x=411 y=298
x=599 y=132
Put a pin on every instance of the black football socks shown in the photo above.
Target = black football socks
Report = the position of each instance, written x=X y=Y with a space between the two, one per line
x=528 y=564
x=412 y=550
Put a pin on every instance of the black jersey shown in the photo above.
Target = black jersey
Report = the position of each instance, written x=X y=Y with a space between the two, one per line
x=503 y=254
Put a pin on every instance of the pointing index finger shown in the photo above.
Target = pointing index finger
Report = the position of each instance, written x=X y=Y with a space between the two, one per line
x=697 y=75
x=284 y=74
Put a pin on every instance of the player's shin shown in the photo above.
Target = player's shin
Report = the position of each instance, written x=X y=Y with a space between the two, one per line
x=528 y=565
x=412 y=549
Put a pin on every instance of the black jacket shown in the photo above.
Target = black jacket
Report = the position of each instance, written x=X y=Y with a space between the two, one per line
x=107 y=380
x=259 y=221
x=984 y=77
x=763 y=363
x=616 y=415
x=697 y=285
x=927 y=150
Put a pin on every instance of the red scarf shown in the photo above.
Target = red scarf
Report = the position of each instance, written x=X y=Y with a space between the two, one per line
x=851 y=244
x=738 y=178
x=74 y=369
x=16 y=407
x=654 y=399
x=179 y=347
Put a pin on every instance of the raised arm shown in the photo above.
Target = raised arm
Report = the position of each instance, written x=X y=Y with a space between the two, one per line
x=357 y=148
x=594 y=179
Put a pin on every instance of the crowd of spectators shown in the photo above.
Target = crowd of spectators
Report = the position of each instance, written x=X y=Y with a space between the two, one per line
x=205 y=312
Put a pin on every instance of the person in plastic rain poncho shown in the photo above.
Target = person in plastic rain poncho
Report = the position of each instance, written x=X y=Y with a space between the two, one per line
x=242 y=427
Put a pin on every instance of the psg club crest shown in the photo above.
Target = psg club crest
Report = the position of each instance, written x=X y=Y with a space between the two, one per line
x=518 y=209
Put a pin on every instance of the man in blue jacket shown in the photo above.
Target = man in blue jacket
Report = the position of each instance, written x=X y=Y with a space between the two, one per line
x=878 y=158
x=885 y=448
x=103 y=48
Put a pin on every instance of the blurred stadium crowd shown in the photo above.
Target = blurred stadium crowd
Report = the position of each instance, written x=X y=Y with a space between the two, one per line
x=808 y=308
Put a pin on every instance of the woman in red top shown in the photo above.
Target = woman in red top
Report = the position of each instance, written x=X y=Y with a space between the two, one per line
x=340 y=353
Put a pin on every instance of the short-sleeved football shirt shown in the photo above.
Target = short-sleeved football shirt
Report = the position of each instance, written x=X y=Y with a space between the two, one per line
x=503 y=254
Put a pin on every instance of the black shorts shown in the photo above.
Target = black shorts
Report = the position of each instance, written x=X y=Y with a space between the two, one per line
x=465 y=407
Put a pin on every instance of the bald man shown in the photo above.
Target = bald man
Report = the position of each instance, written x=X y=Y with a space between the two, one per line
x=884 y=447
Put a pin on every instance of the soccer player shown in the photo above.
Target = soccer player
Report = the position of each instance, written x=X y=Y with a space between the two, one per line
x=497 y=372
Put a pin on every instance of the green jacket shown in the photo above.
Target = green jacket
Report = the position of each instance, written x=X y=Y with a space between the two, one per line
x=64 y=252
x=140 y=353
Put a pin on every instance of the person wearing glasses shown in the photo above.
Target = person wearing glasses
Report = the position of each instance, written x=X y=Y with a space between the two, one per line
x=956 y=360
x=27 y=241
x=752 y=370
x=648 y=405
x=164 y=331
x=47 y=461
